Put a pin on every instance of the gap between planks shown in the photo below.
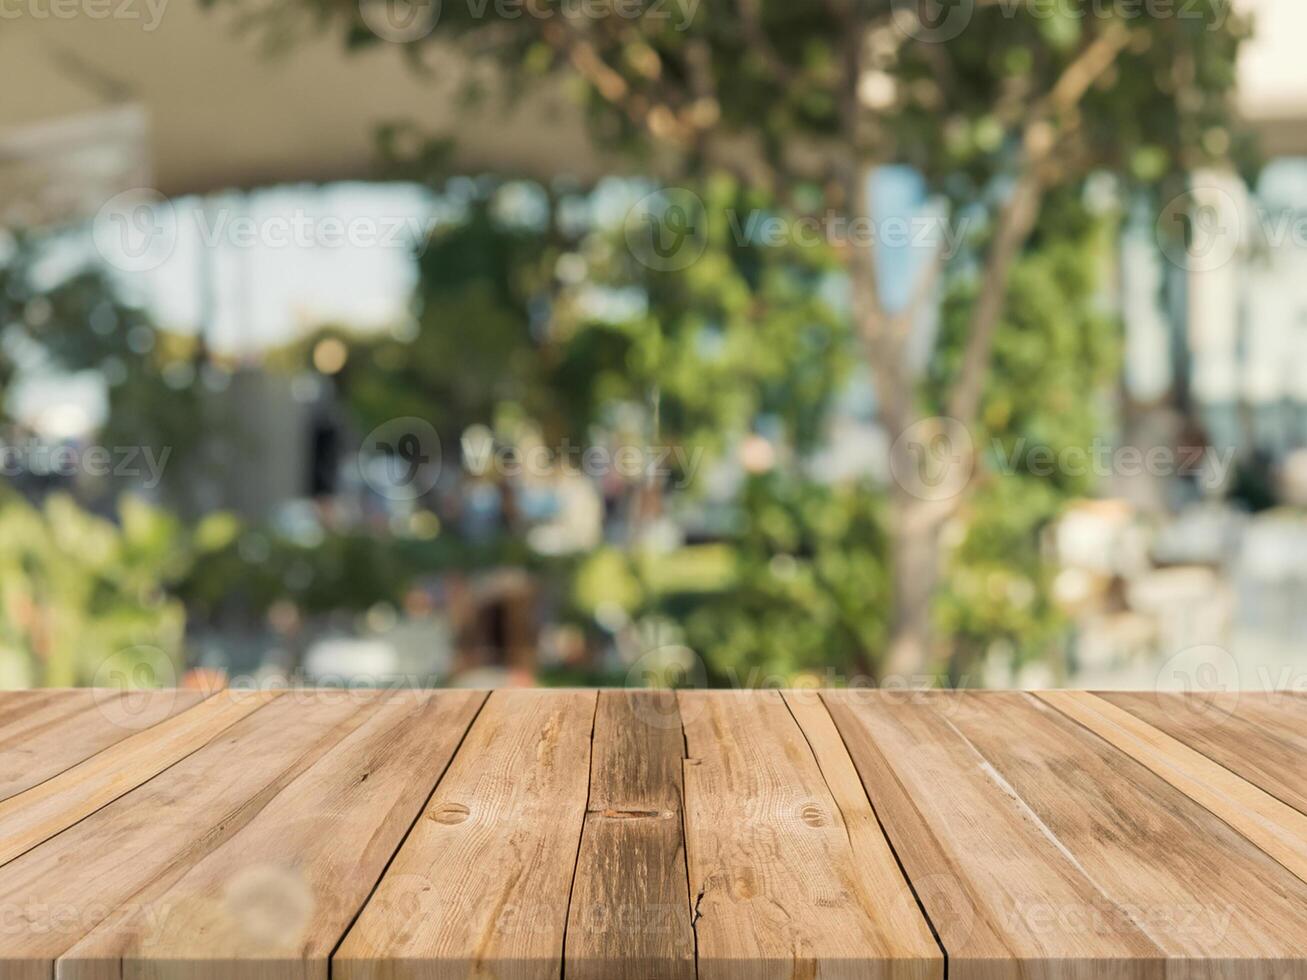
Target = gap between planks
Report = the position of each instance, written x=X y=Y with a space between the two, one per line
x=37 y=814
x=1272 y=825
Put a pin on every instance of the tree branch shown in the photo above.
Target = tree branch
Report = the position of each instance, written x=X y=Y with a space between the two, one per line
x=1015 y=221
x=751 y=20
x=1017 y=217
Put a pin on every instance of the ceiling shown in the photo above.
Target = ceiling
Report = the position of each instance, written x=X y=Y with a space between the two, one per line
x=193 y=106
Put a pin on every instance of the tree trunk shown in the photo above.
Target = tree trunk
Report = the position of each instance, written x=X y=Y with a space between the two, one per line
x=914 y=575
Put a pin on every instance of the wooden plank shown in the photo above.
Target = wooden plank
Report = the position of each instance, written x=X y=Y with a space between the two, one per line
x=1261 y=737
x=629 y=917
x=776 y=882
x=1215 y=904
x=1276 y=828
x=42 y=733
x=18 y=707
x=481 y=885
x=273 y=901
x=57 y=893
x=1046 y=837
x=880 y=879
x=986 y=872
x=39 y=813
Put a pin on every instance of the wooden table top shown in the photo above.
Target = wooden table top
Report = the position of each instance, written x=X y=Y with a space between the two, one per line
x=623 y=835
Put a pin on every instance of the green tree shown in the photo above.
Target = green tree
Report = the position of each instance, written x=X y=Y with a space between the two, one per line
x=809 y=584
x=552 y=319
x=1056 y=351
x=997 y=105
x=83 y=600
x=79 y=322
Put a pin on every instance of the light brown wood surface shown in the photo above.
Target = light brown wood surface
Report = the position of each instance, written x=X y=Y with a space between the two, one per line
x=482 y=884
x=776 y=884
x=57 y=893
x=275 y=898
x=1150 y=848
x=632 y=835
x=1262 y=738
x=47 y=732
x=1275 y=827
x=39 y=813
x=987 y=871
x=629 y=917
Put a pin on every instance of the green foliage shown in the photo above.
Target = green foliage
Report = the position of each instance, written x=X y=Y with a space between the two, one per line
x=534 y=314
x=811 y=587
x=78 y=322
x=242 y=575
x=951 y=102
x=540 y=313
x=84 y=600
x=531 y=308
x=1055 y=354
x=803 y=98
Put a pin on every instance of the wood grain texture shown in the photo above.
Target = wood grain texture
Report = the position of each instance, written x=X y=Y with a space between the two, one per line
x=55 y=894
x=988 y=874
x=39 y=813
x=1214 y=903
x=879 y=878
x=776 y=882
x=42 y=733
x=628 y=835
x=481 y=886
x=274 y=900
x=1275 y=827
x=629 y=917
x=1260 y=737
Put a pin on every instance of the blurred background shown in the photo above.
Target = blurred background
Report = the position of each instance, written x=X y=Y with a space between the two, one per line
x=725 y=343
